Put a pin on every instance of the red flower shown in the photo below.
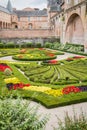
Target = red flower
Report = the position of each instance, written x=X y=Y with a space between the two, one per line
x=78 y=57
x=50 y=54
x=19 y=86
x=4 y=66
x=70 y=89
x=53 y=61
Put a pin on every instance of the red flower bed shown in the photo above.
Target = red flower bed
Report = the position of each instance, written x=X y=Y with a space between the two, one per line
x=11 y=86
x=70 y=89
x=78 y=57
x=3 y=67
x=50 y=54
x=53 y=61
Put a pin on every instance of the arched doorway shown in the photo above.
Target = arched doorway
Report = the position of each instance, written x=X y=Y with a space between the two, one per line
x=14 y=25
x=74 y=30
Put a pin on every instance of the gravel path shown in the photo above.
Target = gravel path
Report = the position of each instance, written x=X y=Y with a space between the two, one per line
x=59 y=111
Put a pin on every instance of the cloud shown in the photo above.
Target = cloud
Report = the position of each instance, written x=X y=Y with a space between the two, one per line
x=20 y=4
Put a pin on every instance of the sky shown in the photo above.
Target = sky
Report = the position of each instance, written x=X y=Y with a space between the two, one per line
x=21 y=4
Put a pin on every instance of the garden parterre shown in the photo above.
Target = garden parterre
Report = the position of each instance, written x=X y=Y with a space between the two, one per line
x=70 y=82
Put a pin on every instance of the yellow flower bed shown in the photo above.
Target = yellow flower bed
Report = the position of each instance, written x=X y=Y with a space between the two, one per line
x=46 y=90
x=13 y=80
x=55 y=93
x=13 y=62
x=36 y=88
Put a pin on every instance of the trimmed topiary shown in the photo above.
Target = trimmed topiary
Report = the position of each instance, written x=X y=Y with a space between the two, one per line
x=8 y=72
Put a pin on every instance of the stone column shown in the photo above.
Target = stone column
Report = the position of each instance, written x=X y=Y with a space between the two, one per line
x=2 y=25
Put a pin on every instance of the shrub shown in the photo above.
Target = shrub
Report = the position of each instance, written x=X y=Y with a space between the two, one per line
x=23 y=45
x=1 y=45
x=38 y=45
x=7 y=72
x=73 y=123
x=10 y=45
x=29 y=44
x=48 y=45
x=19 y=115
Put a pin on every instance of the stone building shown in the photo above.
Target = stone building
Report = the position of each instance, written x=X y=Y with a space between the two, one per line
x=64 y=19
x=28 y=18
x=69 y=21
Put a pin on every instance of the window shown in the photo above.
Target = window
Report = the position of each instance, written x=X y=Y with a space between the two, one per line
x=30 y=26
x=28 y=18
x=18 y=18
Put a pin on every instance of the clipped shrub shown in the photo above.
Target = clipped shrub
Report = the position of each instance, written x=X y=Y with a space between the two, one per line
x=48 y=45
x=10 y=45
x=38 y=45
x=19 y=115
x=7 y=72
x=1 y=45
x=29 y=44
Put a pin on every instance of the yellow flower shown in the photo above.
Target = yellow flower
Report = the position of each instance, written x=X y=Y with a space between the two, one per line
x=36 y=88
x=54 y=92
x=47 y=90
x=13 y=80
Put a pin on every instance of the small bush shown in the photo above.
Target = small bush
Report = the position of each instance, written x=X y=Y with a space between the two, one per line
x=29 y=44
x=1 y=45
x=10 y=45
x=48 y=45
x=38 y=45
x=7 y=72
x=19 y=115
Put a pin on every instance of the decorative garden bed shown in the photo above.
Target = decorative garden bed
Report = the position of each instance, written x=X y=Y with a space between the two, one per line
x=30 y=54
x=52 y=83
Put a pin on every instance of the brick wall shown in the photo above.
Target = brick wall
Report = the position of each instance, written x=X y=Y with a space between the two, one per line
x=25 y=33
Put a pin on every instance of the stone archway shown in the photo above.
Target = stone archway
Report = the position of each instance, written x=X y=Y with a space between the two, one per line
x=14 y=25
x=74 y=30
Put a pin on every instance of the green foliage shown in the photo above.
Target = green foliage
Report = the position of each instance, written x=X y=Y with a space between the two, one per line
x=1 y=45
x=57 y=74
x=10 y=45
x=38 y=45
x=29 y=44
x=19 y=115
x=48 y=45
x=73 y=123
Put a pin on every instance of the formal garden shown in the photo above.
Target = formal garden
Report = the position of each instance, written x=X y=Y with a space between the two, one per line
x=36 y=74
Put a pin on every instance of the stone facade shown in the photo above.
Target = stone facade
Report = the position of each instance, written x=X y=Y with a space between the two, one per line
x=66 y=19
x=70 y=23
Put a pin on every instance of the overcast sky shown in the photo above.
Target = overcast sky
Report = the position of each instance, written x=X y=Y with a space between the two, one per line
x=20 y=4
